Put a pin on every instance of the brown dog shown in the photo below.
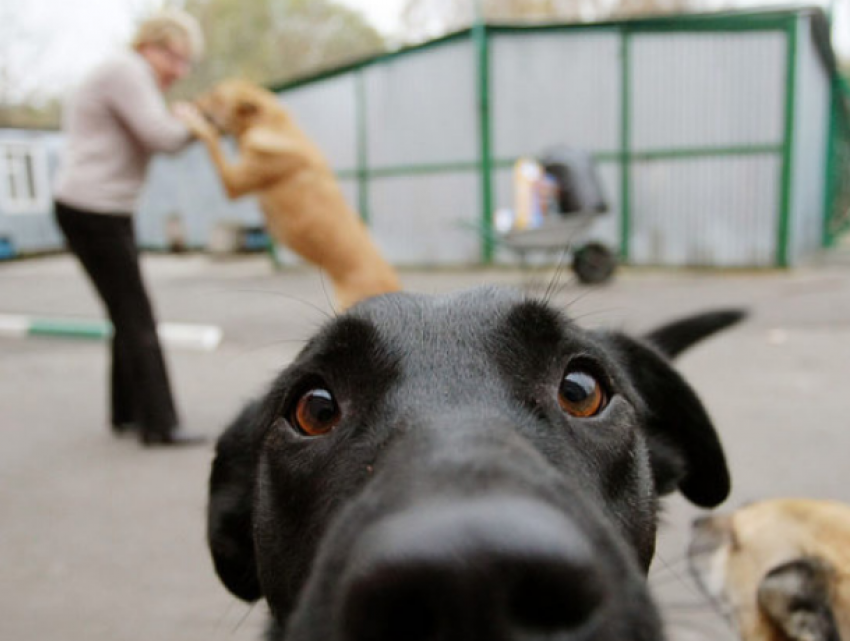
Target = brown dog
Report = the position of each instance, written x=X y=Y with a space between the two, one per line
x=779 y=567
x=298 y=193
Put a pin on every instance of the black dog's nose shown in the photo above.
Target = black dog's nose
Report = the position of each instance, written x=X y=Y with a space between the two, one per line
x=486 y=569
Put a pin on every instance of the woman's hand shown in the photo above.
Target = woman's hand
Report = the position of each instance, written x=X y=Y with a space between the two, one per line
x=190 y=116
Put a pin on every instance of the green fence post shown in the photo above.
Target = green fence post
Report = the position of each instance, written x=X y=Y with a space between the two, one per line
x=829 y=199
x=362 y=146
x=625 y=143
x=482 y=48
x=784 y=228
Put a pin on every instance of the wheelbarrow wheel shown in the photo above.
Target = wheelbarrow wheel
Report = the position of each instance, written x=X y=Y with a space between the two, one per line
x=594 y=263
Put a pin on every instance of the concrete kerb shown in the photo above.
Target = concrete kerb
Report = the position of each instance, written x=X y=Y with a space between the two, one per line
x=180 y=335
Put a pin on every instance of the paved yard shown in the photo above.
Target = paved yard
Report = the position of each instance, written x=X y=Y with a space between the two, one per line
x=101 y=540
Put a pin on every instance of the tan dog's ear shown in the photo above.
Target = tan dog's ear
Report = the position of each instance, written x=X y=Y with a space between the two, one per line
x=245 y=109
x=796 y=597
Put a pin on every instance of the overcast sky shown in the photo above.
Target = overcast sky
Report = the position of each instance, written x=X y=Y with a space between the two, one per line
x=61 y=39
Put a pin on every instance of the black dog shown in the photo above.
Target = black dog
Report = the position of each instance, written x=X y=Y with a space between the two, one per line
x=461 y=468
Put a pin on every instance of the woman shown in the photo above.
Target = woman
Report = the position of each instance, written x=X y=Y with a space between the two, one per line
x=114 y=122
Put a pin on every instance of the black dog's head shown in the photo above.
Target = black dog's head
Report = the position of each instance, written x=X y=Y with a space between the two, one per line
x=472 y=466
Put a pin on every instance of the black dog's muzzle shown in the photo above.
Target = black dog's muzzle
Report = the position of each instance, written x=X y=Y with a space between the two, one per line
x=494 y=568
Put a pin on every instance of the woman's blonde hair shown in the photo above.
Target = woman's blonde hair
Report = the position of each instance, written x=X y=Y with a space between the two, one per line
x=168 y=25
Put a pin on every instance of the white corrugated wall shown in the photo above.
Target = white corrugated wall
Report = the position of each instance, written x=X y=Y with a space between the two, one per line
x=811 y=128
x=327 y=111
x=702 y=106
x=551 y=89
x=422 y=151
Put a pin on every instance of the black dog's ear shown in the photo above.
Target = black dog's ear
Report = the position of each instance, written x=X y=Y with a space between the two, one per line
x=674 y=338
x=685 y=450
x=230 y=509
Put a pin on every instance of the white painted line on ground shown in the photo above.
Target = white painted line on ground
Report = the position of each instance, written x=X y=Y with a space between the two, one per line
x=182 y=335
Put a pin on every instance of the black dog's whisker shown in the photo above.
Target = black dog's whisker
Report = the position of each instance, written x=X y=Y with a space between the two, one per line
x=598 y=312
x=226 y=614
x=686 y=606
x=243 y=618
x=289 y=297
x=568 y=284
x=326 y=316
x=551 y=286
x=563 y=265
x=578 y=298
x=673 y=574
x=707 y=629
x=712 y=603
x=672 y=577
x=531 y=280
x=663 y=567
x=233 y=604
x=660 y=579
x=696 y=552
x=250 y=351
x=560 y=268
x=711 y=620
x=328 y=297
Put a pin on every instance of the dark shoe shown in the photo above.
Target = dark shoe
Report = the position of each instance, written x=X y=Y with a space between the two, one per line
x=176 y=437
x=123 y=429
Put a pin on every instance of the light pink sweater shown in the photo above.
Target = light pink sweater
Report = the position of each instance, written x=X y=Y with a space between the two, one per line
x=114 y=122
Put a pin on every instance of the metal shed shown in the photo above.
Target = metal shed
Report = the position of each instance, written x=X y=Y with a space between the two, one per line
x=717 y=136
x=28 y=160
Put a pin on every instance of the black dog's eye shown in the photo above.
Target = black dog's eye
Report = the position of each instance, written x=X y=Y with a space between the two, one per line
x=581 y=394
x=316 y=412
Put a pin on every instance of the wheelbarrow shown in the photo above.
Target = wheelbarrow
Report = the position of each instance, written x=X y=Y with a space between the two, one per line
x=575 y=200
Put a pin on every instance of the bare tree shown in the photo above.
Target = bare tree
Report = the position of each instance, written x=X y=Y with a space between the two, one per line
x=632 y=8
x=271 y=41
x=19 y=51
x=423 y=19
x=426 y=19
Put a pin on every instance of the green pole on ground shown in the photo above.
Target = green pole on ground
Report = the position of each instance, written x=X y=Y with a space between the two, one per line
x=70 y=329
x=482 y=48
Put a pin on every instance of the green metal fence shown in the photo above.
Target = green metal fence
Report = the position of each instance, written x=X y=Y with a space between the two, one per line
x=832 y=203
x=837 y=209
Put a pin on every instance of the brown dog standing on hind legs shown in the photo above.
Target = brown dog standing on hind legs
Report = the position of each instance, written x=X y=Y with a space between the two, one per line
x=303 y=205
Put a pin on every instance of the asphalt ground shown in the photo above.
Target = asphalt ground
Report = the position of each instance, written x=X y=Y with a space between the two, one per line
x=103 y=540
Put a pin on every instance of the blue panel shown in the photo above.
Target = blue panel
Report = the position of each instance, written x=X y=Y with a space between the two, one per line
x=7 y=250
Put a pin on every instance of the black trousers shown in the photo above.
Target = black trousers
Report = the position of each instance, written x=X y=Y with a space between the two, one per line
x=106 y=247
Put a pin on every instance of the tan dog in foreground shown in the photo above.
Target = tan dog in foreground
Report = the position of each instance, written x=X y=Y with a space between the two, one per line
x=779 y=567
x=298 y=193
